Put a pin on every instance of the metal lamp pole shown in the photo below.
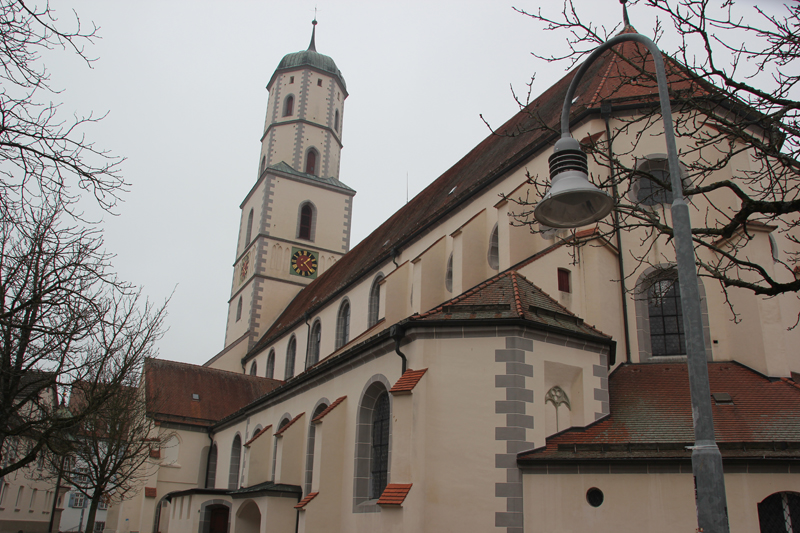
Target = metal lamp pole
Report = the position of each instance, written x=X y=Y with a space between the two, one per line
x=572 y=203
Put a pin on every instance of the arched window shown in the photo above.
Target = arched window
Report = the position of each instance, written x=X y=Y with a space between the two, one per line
x=233 y=474
x=316 y=337
x=652 y=185
x=239 y=310
x=263 y=163
x=291 y=351
x=336 y=121
x=379 y=465
x=494 y=250
x=306 y=222
x=211 y=473
x=666 y=317
x=375 y=300
x=773 y=248
x=254 y=369
x=779 y=513
x=271 y=364
x=249 y=234
x=311 y=162
x=373 y=444
x=288 y=106
x=343 y=325
x=448 y=276
x=312 y=430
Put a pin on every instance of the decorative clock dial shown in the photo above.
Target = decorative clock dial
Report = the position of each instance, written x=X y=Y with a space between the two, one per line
x=304 y=263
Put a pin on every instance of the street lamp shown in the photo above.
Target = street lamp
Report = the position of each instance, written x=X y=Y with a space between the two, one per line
x=572 y=201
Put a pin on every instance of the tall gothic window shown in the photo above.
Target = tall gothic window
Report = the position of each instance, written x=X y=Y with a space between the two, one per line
x=316 y=337
x=375 y=300
x=448 y=275
x=311 y=162
x=666 y=317
x=288 y=106
x=291 y=351
x=343 y=325
x=312 y=430
x=306 y=221
x=271 y=364
x=233 y=475
x=249 y=233
x=494 y=250
x=239 y=310
x=336 y=121
x=379 y=464
x=779 y=513
x=254 y=369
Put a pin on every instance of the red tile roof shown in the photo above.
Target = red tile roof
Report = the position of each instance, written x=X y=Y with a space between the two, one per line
x=258 y=434
x=527 y=133
x=510 y=295
x=651 y=415
x=408 y=381
x=329 y=409
x=394 y=494
x=287 y=426
x=170 y=386
x=302 y=503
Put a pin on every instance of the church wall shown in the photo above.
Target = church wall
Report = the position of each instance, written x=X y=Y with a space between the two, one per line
x=654 y=502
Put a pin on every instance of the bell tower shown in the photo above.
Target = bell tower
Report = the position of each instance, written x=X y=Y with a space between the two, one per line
x=295 y=221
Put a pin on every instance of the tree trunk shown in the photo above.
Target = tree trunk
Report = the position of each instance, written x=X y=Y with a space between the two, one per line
x=95 y=501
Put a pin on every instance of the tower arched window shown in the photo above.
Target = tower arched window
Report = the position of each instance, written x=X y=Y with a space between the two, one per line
x=239 y=310
x=652 y=184
x=375 y=301
x=271 y=364
x=236 y=453
x=263 y=163
x=254 y=369
x=288 y=106
x=314 y=347
x=311 y=162
x=336 y=121
x=291 y=352
x=305 y=225
x=494 y=250
x=343 y=325
x=249 y=233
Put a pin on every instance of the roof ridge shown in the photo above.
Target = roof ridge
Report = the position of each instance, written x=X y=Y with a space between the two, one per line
x=517 y=299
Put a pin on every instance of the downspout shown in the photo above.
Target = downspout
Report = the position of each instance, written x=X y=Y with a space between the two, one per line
x=397 y=332
x=605 y=112
x=395 y=255
x=308 y=338
x=208 y=457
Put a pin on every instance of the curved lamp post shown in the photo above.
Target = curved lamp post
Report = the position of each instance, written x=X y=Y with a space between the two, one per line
x=572 y=201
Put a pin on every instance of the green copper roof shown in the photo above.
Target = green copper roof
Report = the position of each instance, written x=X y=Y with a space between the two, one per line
x=311 y=58
x=286 y=168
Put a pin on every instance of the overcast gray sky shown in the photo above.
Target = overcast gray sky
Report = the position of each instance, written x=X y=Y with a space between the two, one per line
x=183 y=83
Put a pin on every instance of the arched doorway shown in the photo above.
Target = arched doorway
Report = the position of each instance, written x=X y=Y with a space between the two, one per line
x=215 y=517
x=248 y=519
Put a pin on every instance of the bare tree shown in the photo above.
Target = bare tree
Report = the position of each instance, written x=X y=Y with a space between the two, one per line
x=734 y=87
x=40 y=152
x=64 y=319
x=109 y=456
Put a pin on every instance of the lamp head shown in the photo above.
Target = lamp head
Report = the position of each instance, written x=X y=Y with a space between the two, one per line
x=572 y=200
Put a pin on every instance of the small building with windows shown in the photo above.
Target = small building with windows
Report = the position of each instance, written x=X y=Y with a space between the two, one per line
x=454 y=371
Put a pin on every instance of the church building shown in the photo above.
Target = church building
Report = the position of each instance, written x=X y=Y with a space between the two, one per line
x=454 y=371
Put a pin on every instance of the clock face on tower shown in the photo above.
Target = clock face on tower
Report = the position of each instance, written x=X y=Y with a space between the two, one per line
x=304 y=263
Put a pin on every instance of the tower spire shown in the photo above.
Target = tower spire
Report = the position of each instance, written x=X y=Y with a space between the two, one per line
x=312 y=45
